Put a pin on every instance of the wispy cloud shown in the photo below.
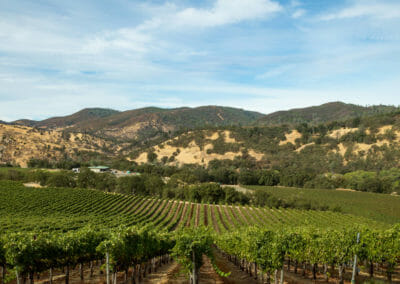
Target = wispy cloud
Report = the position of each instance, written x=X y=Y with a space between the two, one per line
x=226 y=12
x=376 y=9
x=298 y=13
x=263 y=55
x=222 y=12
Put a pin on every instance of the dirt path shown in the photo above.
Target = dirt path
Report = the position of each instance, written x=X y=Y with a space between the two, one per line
x=182 y=217
x=237 y=276
x=250 y=213
x=197 y=215
x=190 y=215
x=220 y=217
x=169 y=273
x=139 y=209
x=228 y=216
x=207 y=273
x=205 y=215
x=239 y=220
x=246 y=221
x=291 y=277
x=176 y=213
x=157 y=212
x=165 y=211
x=214 y=219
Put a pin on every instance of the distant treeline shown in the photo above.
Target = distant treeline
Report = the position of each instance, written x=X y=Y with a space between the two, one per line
x=245 y=171
x=182 y=185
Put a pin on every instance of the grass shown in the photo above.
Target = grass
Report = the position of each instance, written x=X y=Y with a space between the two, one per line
x=379 y=207
x=6 y=169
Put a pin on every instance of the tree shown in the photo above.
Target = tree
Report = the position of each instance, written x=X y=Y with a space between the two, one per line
x=106 y=182
x=131 y=185
x=151 y=157
x=270 y=178
x=86 y=179
x=61 y=179
x=153 y=184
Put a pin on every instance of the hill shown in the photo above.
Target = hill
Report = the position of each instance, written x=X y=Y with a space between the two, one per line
x=350 y=143
x=145 y=123
x=328 y=112
x=200 y=135
x=87 y=114
x=361 y=154
x=19 y=144
x=150 y=123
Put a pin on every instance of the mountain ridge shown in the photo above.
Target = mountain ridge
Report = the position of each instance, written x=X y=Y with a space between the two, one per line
x=190 y=134
x=68 y=120
x=331 y=111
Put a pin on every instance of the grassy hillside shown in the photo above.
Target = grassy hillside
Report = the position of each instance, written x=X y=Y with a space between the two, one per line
x=379 y=207
x=323 y=113
x=370 y=143
x=19 y=144
x=199 y=135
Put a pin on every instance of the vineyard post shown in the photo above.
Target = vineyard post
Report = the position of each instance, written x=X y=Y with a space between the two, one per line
x=91 y=268
x=353 y=277
x=3 y=274
x=67 y=274
x=81 y=271
x=108 y=267
x=17 y=274
x=194 y=276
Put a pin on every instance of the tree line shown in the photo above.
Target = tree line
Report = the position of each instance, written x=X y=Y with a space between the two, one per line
x=187 y=185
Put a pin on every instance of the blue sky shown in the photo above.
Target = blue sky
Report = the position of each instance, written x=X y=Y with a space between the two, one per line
x=57 y=57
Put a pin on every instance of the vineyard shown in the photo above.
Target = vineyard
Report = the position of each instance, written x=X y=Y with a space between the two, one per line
x=64 y=209
x=53 y=228
x=365 y=204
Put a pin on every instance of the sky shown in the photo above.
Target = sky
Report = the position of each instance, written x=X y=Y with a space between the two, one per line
x=57 y=57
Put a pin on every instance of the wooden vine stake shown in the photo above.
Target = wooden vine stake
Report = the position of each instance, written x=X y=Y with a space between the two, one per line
x=353 y=277
x=108 y=267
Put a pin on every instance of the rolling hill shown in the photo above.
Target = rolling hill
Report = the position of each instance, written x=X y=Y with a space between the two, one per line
x=84 y=115
x=144 y=123
x=200 y=135
x=328 y=112
x=153 y=122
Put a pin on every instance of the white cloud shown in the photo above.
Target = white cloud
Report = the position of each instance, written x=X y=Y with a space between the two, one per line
x=274 y=72
x=173 y=55
x=374 y=9
x=295 y=3
x=26 y=34
x=147 y=36
x=226 y=12
x=298 y=13
x=125 y=38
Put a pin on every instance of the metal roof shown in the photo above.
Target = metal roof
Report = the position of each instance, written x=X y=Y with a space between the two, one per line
x=99 y=167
